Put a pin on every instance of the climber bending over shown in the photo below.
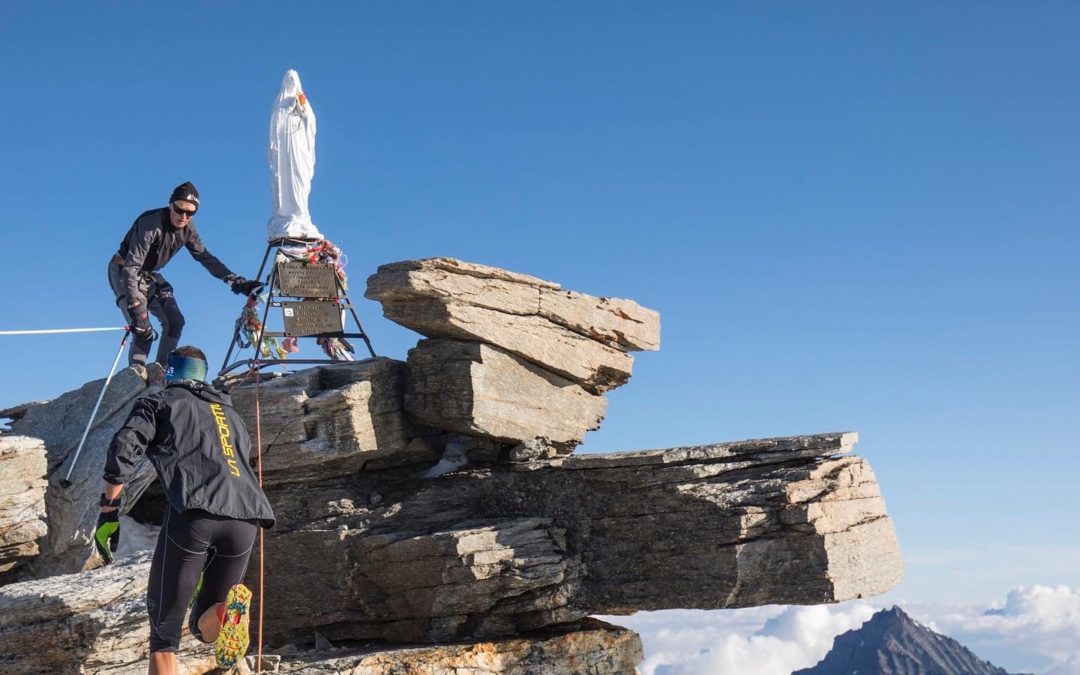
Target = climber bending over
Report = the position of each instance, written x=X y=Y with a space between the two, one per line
x=136 y=281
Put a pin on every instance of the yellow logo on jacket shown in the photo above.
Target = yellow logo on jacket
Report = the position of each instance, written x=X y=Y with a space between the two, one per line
x=224 y=433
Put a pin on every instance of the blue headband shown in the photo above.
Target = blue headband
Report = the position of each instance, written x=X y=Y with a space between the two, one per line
x=185 y=368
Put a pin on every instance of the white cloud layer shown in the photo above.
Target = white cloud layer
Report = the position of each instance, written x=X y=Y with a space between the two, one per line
x=1035 y=630
x=758 y=641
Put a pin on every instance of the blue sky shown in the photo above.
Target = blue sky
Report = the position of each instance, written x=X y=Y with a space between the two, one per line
x=850 y=216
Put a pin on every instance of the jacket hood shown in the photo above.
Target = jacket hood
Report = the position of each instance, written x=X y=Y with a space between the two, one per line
x=203 y=390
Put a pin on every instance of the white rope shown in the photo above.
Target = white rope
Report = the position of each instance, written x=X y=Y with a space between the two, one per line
x=60 y=330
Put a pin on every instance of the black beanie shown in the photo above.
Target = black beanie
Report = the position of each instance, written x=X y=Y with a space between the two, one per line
x=185 y=193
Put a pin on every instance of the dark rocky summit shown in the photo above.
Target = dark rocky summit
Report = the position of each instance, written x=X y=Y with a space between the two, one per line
x=891 y=643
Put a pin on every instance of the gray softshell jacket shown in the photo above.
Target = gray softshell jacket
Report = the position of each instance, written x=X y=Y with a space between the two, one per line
x=200 y=448
x=152 y=241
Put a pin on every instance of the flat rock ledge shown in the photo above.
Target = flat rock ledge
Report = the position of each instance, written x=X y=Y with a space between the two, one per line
x=480 y=555
x=95 y=622
x=589 y=646
x=489 y=552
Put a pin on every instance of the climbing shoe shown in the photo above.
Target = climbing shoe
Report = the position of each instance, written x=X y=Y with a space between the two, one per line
x=232 y=641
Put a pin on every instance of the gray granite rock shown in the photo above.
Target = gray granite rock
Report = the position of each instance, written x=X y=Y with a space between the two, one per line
x=487 y=553
x=76 y=623
x=502 y=577
x=17 y=412
x=366 y=547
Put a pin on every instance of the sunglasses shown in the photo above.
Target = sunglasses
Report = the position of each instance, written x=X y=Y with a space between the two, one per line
x=183 y=212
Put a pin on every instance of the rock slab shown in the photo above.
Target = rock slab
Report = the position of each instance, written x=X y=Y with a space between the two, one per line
x=487 y=552
x=589 y=646
x=477 y=389
x=329 y=420
x=95 y=622
x=580 y=337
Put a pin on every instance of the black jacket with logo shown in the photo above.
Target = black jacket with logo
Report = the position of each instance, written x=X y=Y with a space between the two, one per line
x=199 y=446
x=152 y=242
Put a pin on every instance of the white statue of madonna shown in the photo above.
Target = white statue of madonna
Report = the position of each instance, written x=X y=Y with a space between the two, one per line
x=292 y=162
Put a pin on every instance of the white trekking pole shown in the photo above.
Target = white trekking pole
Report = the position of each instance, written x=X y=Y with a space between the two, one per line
x=65 y=482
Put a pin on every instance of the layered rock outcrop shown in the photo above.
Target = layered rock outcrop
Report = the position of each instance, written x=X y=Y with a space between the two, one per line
x=511 y=357
x=59 y=425
x=587 y=646
x=583 y=338
x=95 y=622
x=22 y=503
x=332 y=420
x=505 y=551
x=499 y=550
x=476 y=389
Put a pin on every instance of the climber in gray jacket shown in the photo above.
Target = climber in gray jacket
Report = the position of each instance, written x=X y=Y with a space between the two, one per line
x=135 y=277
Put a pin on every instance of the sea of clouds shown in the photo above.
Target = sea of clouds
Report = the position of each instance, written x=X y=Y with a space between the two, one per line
x=1035 y=629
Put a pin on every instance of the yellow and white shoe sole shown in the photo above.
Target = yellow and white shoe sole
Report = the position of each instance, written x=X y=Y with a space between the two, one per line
x=232 y=642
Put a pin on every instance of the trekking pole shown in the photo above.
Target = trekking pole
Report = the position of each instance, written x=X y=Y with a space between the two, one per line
x=65 y=482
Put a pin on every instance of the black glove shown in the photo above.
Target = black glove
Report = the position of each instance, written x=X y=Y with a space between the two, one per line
x=107 y=534
x=141 y=327
x=242 y=286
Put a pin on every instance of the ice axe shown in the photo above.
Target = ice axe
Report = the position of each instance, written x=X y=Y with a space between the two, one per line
x=65 y=482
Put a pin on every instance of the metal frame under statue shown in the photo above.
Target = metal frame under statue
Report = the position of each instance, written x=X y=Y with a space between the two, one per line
x=313 y=303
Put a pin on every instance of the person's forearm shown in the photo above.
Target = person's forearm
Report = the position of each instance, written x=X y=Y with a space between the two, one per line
x=111 y=492
x=130 y=283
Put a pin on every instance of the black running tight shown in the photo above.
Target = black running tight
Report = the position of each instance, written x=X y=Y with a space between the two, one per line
x=192 y=543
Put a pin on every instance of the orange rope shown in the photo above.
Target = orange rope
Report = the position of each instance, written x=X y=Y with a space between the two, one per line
x=258 y=442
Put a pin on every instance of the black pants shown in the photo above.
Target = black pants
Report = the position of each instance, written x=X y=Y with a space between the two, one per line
x=189 y=544
x=159 y=302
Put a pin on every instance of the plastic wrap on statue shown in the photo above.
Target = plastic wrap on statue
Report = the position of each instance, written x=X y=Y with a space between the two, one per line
x=292 y=162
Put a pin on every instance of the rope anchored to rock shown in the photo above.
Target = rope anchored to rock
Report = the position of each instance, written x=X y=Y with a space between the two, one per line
x=48 y=331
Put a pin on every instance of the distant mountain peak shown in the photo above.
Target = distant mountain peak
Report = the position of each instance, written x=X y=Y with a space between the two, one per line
x=892 y=643
x=894 y=615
